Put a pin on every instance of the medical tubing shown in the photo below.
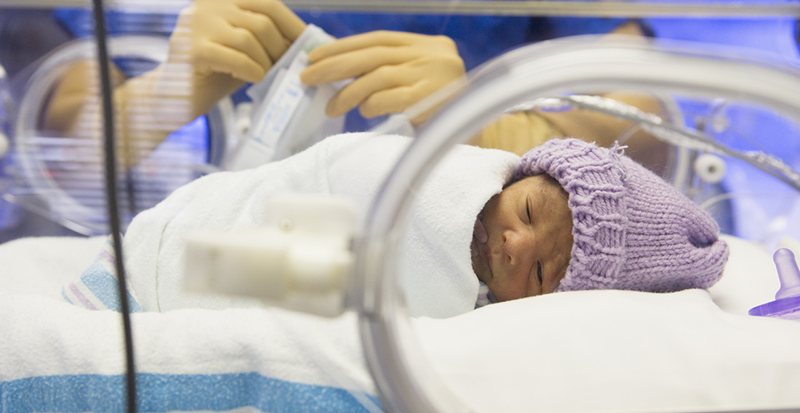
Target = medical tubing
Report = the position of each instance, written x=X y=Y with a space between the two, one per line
x=708 y=203
x=679 y=137
x=111 y=196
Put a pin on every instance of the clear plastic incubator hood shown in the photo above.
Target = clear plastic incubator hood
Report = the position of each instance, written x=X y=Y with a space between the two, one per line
x=339 y=273
x=545 y=70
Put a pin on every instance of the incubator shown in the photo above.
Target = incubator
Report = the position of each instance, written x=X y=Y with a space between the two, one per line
x=54 y=176
x=247 y=217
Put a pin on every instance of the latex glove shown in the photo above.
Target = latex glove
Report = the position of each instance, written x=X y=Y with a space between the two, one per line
x=228 y=43
x=394 y=70
x=516 y=132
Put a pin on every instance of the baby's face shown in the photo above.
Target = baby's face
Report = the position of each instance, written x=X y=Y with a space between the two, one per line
x=523 y=239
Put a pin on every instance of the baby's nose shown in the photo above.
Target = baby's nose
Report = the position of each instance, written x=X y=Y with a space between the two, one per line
x=516 y=245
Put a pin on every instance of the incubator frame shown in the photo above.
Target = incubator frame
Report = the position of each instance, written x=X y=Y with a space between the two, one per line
x=81 y=218
x=404 y=379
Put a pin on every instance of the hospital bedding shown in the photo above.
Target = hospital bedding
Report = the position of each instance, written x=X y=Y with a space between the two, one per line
x=611 y=351
x=585 y=351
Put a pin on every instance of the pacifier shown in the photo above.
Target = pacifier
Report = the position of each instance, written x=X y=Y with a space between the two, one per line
x=787 y=299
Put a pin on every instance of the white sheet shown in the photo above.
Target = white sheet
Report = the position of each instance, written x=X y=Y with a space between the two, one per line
x=611 y=351
x=750 y=277
x=55 y=356
x=43 y=265
x=593 y=351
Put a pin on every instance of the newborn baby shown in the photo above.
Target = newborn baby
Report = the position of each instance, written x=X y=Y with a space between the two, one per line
x=577 y=217
x=523 y=238
x=567 y=216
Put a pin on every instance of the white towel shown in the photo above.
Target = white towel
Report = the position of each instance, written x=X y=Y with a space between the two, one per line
x=187 y=360
x=42 y=265
x=435 y=267
x=56 y=356
x=676 y=351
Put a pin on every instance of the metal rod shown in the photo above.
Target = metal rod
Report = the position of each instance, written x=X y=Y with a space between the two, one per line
x=495 y=8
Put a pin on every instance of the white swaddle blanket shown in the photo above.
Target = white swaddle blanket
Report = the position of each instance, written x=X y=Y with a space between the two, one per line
x=435 y=266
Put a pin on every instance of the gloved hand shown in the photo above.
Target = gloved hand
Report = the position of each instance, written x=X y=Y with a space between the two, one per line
x=394 y=70
x=228 y=43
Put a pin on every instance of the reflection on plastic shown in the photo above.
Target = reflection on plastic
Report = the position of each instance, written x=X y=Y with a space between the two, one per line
x=5 y=106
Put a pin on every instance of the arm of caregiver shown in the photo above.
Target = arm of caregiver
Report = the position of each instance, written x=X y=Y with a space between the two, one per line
x=521 y=131
x=218 y=46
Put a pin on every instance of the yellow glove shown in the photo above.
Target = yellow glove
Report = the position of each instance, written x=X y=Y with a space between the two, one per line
x=516 y=132
x=394 y=70
x=228 y=43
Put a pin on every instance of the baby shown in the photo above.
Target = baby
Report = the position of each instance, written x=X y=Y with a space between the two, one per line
x=574 y=217
x=579 y=217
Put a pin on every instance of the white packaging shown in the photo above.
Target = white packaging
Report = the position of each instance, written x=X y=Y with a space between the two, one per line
x=288 y=116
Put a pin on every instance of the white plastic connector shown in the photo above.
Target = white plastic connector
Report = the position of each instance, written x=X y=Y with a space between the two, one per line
x=710 y=168
x=301 y=259
x=242 y=118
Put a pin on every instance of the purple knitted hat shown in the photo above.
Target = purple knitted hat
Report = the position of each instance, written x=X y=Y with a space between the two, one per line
x=631 y=230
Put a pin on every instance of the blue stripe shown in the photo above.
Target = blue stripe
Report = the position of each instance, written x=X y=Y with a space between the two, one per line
x=64 y=294
x=133 y=305
x=104 y=286
x=173 y=392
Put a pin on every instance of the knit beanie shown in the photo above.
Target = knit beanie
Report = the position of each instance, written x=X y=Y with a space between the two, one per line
x=631 y=230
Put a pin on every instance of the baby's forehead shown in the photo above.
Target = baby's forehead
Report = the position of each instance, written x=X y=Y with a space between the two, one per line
x=540 y=182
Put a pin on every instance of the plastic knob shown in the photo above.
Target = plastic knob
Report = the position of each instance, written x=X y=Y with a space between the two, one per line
x=788 y=273
x=710 y=168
